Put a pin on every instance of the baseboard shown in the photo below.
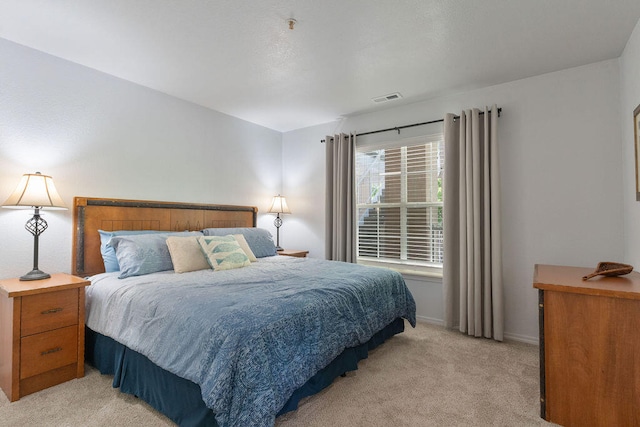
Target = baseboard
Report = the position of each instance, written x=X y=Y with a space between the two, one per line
x=430 y=320
x=522 y=338
x=507 y=335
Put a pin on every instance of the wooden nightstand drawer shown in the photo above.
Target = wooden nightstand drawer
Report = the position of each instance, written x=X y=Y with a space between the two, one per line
x=41 y=333
x=49 y=350
x=48 y=311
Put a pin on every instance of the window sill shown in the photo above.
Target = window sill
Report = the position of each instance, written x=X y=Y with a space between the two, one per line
x=407 y=270
x=420 y=275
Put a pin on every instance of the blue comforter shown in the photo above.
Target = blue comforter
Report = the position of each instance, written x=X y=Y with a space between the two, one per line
x=248 y=337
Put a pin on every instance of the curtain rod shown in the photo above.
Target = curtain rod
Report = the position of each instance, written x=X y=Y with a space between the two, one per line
x=410 y=126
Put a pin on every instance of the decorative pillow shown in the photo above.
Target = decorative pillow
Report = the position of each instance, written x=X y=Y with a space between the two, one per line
x=186 y=254
x=259 y=239
x=223 y=252
x=109 y=255
x=140 y=254
x=242 y=242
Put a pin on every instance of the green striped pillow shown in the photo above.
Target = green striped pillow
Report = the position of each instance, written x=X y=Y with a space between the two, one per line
x=223 y=252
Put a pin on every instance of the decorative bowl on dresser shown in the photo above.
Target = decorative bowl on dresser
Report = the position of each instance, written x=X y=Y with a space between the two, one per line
x=294 y=253
x=41 y=333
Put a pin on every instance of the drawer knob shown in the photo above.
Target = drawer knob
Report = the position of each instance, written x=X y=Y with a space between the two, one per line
x=53 y=350
x=51 y=311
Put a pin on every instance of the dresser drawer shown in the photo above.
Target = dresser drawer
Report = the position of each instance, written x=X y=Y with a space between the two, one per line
x=48 y=350
x=48 y=311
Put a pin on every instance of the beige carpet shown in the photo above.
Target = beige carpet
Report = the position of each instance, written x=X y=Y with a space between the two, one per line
x=427 y=376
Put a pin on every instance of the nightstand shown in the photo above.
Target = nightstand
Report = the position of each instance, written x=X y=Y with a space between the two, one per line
x=294 y=253
x=41 y=333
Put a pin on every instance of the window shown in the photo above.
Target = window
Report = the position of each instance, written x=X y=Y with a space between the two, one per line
x=399 y=203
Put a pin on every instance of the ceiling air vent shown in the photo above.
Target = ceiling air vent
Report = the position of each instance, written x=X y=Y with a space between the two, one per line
x=390 y=97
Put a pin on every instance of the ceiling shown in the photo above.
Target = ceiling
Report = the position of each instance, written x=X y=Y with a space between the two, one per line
x=240 y=57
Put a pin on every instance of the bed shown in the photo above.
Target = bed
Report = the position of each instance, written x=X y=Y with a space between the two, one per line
x=233 y=347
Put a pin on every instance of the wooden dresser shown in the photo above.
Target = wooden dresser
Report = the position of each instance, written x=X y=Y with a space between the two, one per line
x=41 y=333
x=589 y=347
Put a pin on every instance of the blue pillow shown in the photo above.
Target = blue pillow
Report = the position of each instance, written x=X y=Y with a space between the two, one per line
x=259 y=240
x=109 y=255
x=140 y=254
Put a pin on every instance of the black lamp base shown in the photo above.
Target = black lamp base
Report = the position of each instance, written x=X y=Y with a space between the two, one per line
x=35 y=275
x=278 y=223
x=35 y=226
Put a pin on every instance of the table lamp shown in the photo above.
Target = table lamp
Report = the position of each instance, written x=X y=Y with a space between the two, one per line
x=278 y=206
x=35 y=191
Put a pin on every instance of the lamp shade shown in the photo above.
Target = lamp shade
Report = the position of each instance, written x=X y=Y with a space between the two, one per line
x=35 y=190
x=279 y=205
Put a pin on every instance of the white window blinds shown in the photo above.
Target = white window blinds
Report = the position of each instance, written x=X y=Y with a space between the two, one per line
x=399 y=202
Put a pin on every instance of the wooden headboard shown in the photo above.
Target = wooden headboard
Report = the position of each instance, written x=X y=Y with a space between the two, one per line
x=93 y=214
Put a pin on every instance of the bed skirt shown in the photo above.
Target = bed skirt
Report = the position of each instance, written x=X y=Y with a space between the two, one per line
x=180 y=399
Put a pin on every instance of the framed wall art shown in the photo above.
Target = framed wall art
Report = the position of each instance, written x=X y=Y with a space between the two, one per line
x=636 y=142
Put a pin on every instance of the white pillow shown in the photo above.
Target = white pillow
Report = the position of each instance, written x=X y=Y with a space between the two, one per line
x=186 y=254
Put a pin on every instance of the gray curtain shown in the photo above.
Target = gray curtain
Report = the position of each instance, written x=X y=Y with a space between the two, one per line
x=472 y=271
x=340 y=240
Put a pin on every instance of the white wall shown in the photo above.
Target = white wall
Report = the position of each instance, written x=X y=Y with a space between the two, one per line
x=560 y=150
x=303 y=161
x=101 y=136
x=630 y=96
x=97 y=135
